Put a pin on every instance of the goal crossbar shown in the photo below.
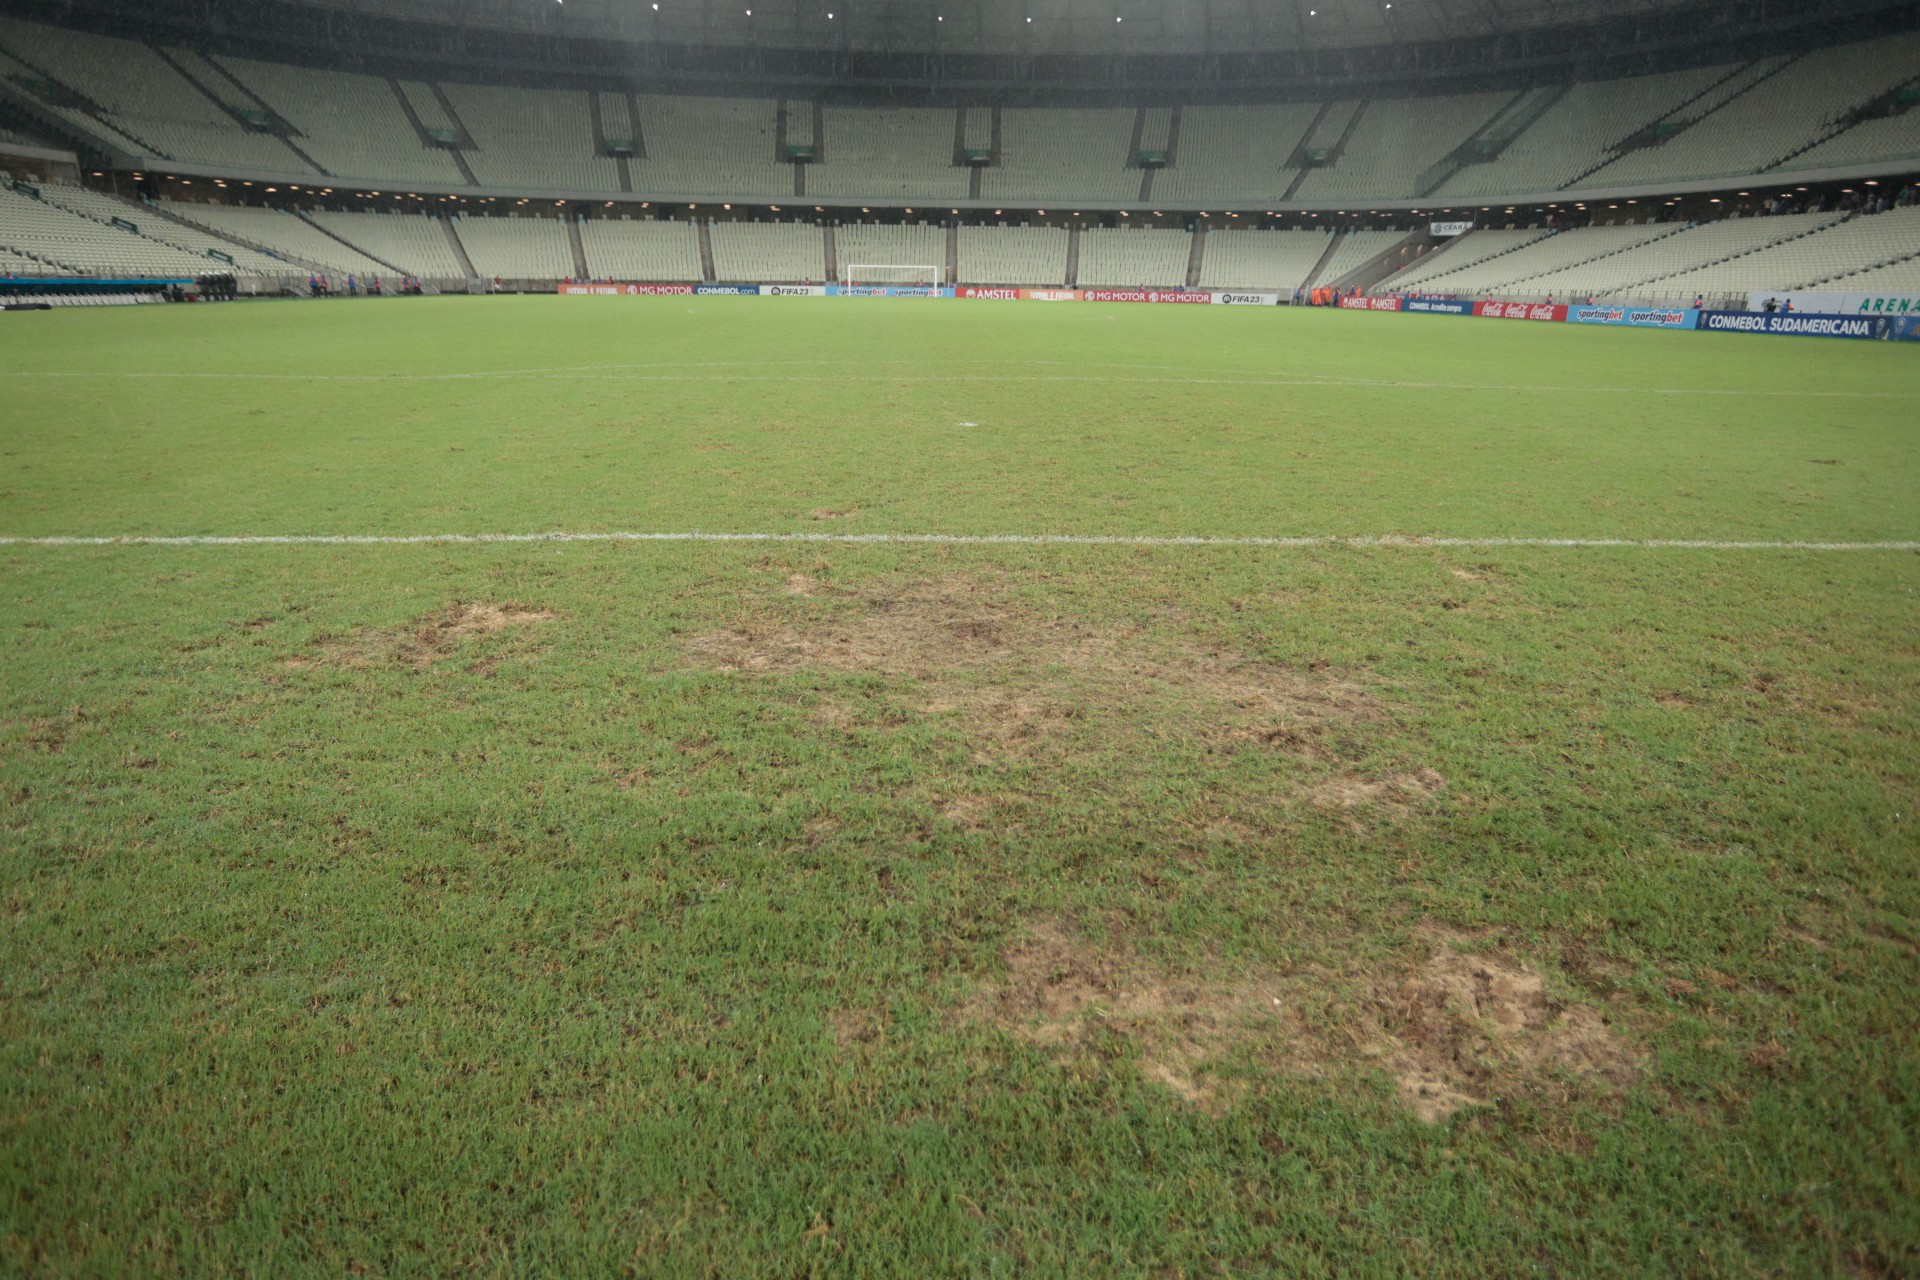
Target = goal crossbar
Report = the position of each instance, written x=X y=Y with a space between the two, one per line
x=868 y=273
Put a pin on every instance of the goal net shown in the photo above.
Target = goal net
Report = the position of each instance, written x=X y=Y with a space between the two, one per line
x=867 y=275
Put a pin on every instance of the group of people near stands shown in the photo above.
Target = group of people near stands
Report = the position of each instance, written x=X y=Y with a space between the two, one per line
x=322 y=286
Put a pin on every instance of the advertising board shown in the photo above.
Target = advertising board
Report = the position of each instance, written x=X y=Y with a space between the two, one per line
x=628 y=290
x=977 y=291
x=1143 y=295
x=1438 y=306
x=1636 y=317
x=1520 y=310
x=793 y=291
x=1796 y=324
x=1446 y=230
x=1838 y=304
x=1370 y=304
x=1224 y=299
x=748 y=290
x=886 y=291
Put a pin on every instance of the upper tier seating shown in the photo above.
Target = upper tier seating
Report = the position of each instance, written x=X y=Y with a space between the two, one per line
x=531 y=137
x=710 y=147
x=1229 y=154
x=904 y=153
x=1779 y=116
x=153 y=110
x=351 y=125
x=1062 y=154
x=649 y=250
x=768 y=252
x=1035 y=256
x=1134 y=257
x=1774 y=115
x=1396 y=141
x=1575 y=135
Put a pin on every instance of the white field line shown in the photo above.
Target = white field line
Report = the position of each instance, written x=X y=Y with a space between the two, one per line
x=1249 y=378
x=940 y=539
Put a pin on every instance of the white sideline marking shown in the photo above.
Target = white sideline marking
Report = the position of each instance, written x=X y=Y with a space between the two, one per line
x=941 y=539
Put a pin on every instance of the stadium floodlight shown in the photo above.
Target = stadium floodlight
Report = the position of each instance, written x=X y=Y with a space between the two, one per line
x=867 y=275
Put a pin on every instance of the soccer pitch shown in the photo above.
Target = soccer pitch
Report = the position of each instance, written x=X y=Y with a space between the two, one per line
x=854 y=903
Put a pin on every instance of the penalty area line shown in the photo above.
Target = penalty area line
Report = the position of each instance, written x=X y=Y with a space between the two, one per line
x=942 y=539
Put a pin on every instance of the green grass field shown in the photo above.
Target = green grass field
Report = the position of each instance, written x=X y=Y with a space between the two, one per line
x=905 y=909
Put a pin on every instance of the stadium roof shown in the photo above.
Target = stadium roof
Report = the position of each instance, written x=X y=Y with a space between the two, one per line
x=1026 y=26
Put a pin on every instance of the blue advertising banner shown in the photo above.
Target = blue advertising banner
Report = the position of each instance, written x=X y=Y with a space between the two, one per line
x=1794 y=323
x=1637 y=317
x=752 y=290
x=1437 y=306
x=886 y=291
x=1906 y=329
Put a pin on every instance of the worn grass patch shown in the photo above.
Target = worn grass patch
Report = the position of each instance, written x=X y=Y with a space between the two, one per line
x=1467 y=1028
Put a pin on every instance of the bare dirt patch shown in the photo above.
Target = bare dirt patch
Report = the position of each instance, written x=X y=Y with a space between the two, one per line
x=1464 y=1029
x=424 y=642
x=1062 y=993
x=1011 y=674
x=1470 y=1027
x=1400 y=790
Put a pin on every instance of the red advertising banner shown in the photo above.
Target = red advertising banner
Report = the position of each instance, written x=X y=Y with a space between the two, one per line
x=974 y=291
x=1520 y=310
x=1370 y=304
x=628 y=290
x=1144 y=295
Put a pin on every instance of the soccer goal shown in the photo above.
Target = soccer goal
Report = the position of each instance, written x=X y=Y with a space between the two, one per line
x=892 y=276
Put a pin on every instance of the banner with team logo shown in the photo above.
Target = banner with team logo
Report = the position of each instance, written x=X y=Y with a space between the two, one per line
x=1447 y=230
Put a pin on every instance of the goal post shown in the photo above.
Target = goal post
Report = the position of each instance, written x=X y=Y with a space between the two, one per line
x=885 y=275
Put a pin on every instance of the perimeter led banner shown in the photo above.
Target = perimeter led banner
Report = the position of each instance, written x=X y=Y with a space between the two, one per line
x=886 y=291
x=739 y=290
x=793 y=291
x=1224 y=299
x=1438 y=306
x=1520 y=310
x=1636 y=317
x=975 y=291
x=1370 y=304
x=1143 y=295
x=1838 y=304
x=1797 y=324
x=628 y=290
